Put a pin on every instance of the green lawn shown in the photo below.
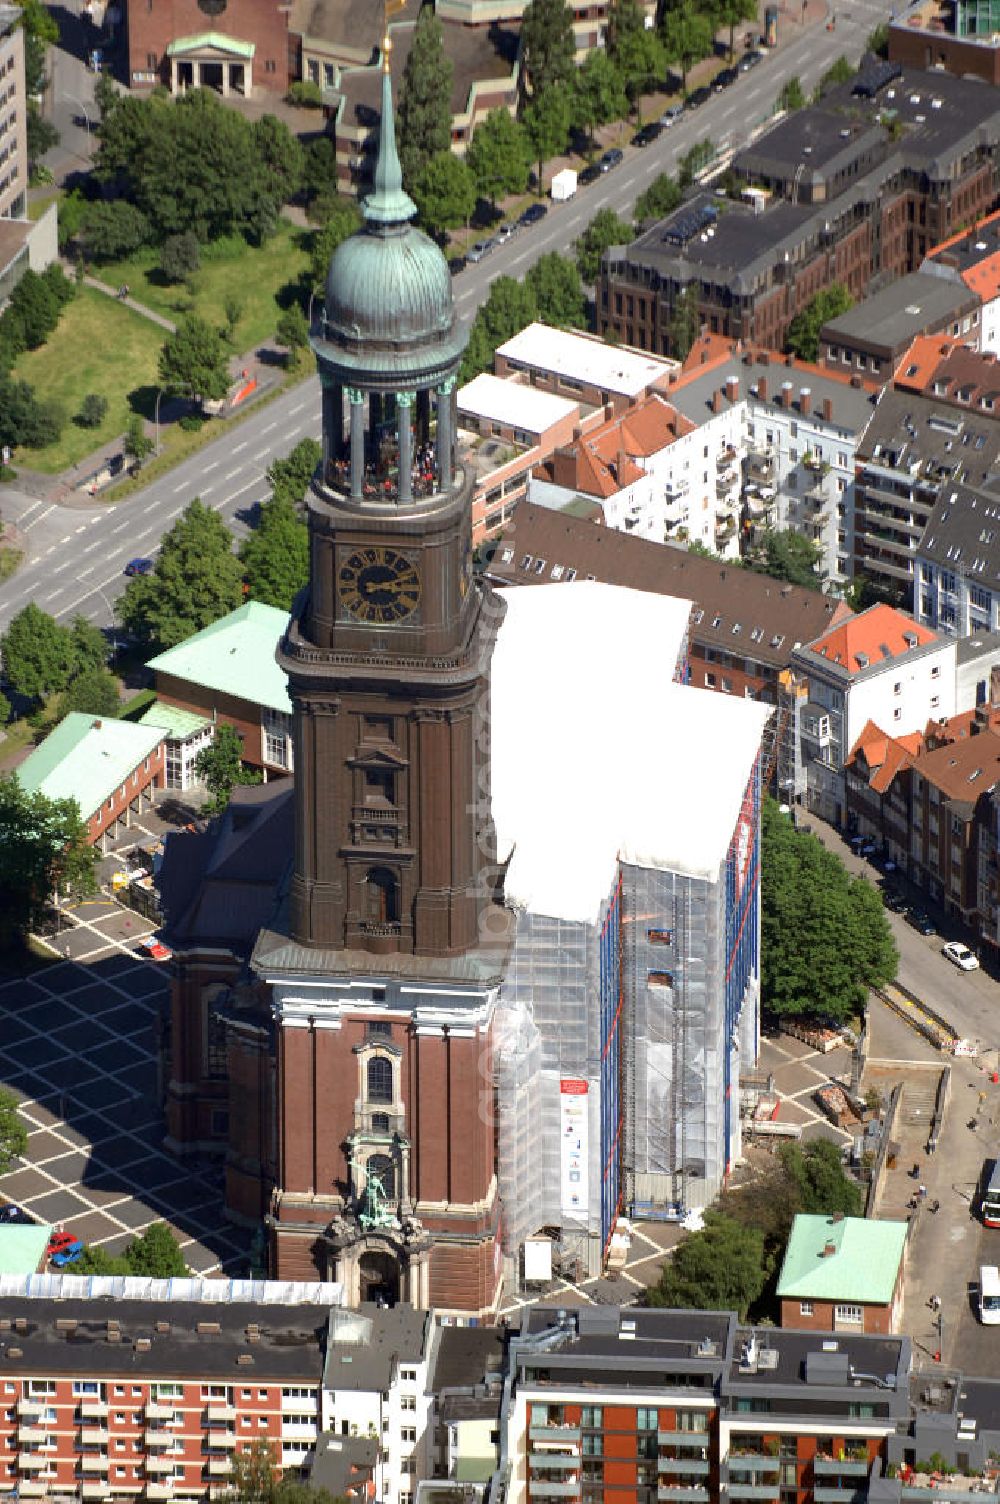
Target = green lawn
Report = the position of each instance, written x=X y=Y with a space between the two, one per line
x=230 y=268
x=99 y=347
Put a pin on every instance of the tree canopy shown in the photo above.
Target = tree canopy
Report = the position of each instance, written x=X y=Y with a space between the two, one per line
x=546 y=121
x=659 y=199
x=423 y=115
x=220 y=768
x=13 y=1133
x=289 y=477
x=40 y=656
x=637 y=53
x=444 y=192
x=555 y=282
x=790 y=556
x=43 y=848
x=604 y=230
x=196 y=579
x=275 y=556
x=194 y=361
x=499 y=156
x=154 y=1253
x=687 y=38
x=825 y=939
x=254 y=1481
x=598 y=93
x=510 y=306
x=802 y=338
x=548 y=48
x=720 y=1268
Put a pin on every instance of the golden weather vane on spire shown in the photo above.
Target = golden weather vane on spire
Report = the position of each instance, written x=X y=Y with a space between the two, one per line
x=389 y=8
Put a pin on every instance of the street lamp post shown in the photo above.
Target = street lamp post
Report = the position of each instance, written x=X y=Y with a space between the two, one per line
x=114 y=632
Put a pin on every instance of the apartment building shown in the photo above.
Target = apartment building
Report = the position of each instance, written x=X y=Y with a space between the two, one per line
x=972 y=259
x=957 y=565
x=957 y=35
x=872 y=337
x=856 y=187
x=879 y=666
x=13 y=116
x=583 y=367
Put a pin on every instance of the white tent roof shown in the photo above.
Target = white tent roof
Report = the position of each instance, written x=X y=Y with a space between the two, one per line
x=598 y=755
x=586 y=358
x=502 y=400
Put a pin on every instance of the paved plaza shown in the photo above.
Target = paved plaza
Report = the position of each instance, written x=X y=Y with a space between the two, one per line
x=78 y=1047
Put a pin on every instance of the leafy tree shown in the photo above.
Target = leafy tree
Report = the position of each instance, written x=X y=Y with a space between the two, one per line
x=802 y=336
x=548 y=47
x=604 y=230
x=598 y=94
x=510 y=306
x=790 y=556
x=292 y=332
x=685 y=322
x=220 y=767
x=792 y=96
x=137 y=444
x=44 y=847
x=305 y=93
x=113 y=230
x=87 y=644
x=342 y=219
x=154 y=1254
x=193 y=360
x=290 y=477
x=733 y=13
x=444 y=191
x=13 y=1134
x=93 y=410
x=687 y=38
x=555 y=281
x=5 y=709
x=319 y=168
x=93 y=691
x=34 y=308
x=196 y=579
x=280 y=158
x=25 y=420
x=825 y=939
x=275 y=556
x=423 y=118
x=839 y=72
x=636 y=53
x=546 y=121
x=253 y=1481
x=691 y=163
x=878 y=40
x=499 y=156
x=658 y=200
x=41 y=31
x=42 y=135
x=38 y=656
x=817 y=1173
x=232 y=307
x=180 y=256
x=720 y=1268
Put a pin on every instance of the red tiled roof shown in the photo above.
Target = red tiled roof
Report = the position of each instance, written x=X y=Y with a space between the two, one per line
x=605 y=459
x=871 y=637
x=884 y=755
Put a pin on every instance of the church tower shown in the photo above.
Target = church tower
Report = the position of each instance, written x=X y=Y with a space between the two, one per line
x=385 y=967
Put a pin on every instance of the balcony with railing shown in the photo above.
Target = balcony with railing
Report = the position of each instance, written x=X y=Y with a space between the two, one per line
x=94 y=1436
x=94 y=1462
x=157 y=1437
x=846 y=1467
x=93 y=1409
x=157 y=1410
x=32 y=1433
x=698 y=1467
x=554 y=1488
x=32 y=1462
x=682 y=1438
x=554 y=1460
x=693 y=1493
x=553 y=1435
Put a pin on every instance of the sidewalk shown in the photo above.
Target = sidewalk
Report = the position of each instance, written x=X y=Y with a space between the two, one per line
x=130 y=302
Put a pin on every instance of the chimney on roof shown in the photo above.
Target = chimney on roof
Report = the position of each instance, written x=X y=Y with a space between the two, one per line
x=829 y=1249
x=97 y=725
x=609 y=411
x=789 y=360
x=717 y=400
x=828 y=409
x=856 y=382
x=762 y=388
x=805 y=401
x=786 y=394
x=733 y=388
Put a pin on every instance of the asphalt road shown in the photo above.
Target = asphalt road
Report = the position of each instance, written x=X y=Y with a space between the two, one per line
x=75 y=558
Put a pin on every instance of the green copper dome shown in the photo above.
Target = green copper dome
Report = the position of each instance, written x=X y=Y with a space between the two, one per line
x=388 y=288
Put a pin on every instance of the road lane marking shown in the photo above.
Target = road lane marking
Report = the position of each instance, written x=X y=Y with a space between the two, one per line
x=183 y=485
x=238 y=447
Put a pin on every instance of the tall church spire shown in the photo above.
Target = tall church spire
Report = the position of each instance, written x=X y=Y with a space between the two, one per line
x=389 y=204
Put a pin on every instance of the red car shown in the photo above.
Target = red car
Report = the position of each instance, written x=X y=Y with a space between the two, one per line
x=155 y=950
x=59 y=1242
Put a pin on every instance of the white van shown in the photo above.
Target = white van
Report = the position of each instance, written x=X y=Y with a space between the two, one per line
x=989 y=1295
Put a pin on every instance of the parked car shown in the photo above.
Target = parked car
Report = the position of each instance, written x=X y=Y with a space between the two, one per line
x=960 y=955
x=648 y=134
x=612 y=158
x=589 y=174
x=726 y=77
x=68 y=1254
x=921 y=922
x=671 y=115
x=457 y=264
x=750 y=60
x=506 y=232
x=138 y=566
x=533 y=213
x=58 y=1242
x=479 y=250
x=15 y=1214
x=698 y=98
x=155 y=950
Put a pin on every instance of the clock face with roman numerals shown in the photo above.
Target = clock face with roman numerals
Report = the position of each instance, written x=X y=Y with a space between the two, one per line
x=378 y=585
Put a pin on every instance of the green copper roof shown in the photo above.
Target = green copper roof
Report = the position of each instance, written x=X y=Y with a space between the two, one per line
x=177 y=723
x=388 y=204
x=22 y=1247
x=86 y=758
x=234 y=656
x=217 y=40
x=862 y=1267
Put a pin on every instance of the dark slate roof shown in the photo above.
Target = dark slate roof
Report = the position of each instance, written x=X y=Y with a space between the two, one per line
x=344 y=1464
x=466 y=1355
x=931 y=439
x=290 y=1346
x=963 y=534
x=734 y=608
x=921 y=303
x=365 y=1344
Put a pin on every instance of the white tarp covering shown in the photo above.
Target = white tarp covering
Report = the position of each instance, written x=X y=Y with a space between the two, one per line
x=265 y=1292
x=537 y=1261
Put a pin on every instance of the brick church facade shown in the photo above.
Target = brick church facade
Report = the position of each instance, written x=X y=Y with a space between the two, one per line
x=340 y=945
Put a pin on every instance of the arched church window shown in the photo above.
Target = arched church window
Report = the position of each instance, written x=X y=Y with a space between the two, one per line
x=379 y=1079
x=381 y=1165
x=383 y=896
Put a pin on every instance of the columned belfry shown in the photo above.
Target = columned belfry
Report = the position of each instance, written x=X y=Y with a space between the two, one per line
x=385 y=968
